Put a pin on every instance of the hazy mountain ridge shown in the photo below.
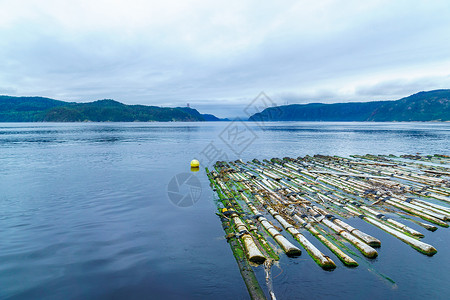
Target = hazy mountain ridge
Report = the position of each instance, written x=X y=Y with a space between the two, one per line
x=40 y=109
x=423 y=106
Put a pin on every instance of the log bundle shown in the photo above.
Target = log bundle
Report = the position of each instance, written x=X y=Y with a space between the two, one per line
x=286 y=205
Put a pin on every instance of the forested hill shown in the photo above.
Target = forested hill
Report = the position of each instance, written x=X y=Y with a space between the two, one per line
x=39 y=109
x=423 y=106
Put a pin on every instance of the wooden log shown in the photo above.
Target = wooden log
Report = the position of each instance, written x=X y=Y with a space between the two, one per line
x=322 y=260
x=360 y=245
x=368 y=239
x=252 y=250
x=346 y=259
x=418 y=245
x=417 y=213
x=392 y=222
x=349 y=174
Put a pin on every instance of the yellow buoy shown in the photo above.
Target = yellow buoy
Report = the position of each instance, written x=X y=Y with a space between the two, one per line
x=195 y=163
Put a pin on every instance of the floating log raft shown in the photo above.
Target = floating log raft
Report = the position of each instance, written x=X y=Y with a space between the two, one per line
x=279 y=205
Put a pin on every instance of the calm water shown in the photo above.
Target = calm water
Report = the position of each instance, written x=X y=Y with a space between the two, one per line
x=84 y=213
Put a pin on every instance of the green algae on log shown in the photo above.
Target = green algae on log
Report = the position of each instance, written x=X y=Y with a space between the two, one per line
x=250 y=280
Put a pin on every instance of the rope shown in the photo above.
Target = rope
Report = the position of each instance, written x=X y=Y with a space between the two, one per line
x=267 y=269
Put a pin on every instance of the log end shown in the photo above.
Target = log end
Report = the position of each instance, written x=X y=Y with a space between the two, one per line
x=292 y=252
x=419 y=235
x=350 y=264
x=370 y=254
x=258 y=259
x=375 y=243
x=328 y=264
x=430 y=251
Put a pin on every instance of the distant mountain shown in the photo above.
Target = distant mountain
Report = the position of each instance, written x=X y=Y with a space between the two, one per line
x=423 y=106
x=39 y=109
x=204 y=117
x=209 y=117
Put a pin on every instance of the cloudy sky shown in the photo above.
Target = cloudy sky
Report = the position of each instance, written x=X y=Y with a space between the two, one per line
x=219 y=55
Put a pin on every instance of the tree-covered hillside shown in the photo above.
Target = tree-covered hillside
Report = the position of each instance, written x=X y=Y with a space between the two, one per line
x=423 y=106
x=39 y=109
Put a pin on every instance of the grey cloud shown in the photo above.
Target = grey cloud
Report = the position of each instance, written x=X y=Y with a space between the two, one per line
x=399 y=88
x=7 y=91
x=364 y=56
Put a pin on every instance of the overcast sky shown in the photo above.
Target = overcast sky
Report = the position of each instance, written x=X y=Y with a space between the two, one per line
x=219 y=55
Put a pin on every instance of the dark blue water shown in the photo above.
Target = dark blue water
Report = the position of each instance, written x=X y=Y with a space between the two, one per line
x=84 y=213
